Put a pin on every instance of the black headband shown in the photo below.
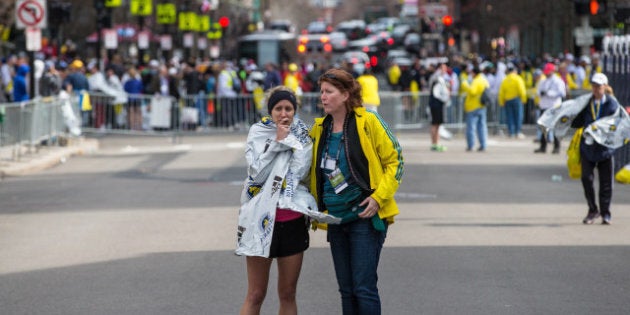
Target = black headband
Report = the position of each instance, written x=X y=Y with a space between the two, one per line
x=279 y=96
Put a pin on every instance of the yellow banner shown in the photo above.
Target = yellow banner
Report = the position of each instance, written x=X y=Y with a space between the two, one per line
x=187 y=21
x=166 y=13
x=204 y=23
x=113 y=3
x=141 y=7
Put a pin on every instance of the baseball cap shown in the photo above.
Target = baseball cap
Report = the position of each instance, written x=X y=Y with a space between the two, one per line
x=76 y=64
x=549 y=68
x=599 y=78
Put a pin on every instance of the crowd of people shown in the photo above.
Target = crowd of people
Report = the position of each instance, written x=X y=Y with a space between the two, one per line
x=512 y=84
x=212 y=90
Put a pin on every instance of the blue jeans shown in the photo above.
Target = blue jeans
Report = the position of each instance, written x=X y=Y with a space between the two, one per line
x=201 y=105
x=476 y=123
x=514 y=112
x=356 y=249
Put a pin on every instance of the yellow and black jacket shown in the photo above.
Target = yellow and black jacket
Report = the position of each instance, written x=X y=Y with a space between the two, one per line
x=374 y=158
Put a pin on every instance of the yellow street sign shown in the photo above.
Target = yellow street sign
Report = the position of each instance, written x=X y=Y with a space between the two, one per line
x=204 y=23
x=113 y=3
x=215 y=34
x=141 y=7
x=187 y=21
x=166 y=13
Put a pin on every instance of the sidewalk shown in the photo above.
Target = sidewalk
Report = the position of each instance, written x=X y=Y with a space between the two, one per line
x=31 y=160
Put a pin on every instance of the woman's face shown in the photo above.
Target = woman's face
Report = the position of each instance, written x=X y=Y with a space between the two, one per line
x=282 y=113
x=598 y=90
x=333 y=100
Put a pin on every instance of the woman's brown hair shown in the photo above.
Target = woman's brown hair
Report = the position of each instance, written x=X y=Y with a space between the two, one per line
x=345 y=82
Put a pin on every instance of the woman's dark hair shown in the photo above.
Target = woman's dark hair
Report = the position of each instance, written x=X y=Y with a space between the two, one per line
x=345 y=82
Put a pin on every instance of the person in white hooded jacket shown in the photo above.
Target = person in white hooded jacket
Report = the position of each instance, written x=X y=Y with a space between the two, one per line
x=551 y=91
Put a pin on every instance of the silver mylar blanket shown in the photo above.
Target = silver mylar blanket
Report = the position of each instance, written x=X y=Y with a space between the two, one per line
x=612 y=131
x=258 y=210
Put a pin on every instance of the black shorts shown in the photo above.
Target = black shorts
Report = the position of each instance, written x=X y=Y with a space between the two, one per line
x=289 y=238
x=437 y=115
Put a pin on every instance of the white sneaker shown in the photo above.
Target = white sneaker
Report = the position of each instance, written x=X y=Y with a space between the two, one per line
x=520 y=135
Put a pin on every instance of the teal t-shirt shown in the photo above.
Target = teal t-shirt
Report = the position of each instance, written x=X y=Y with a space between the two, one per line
x=345 y=204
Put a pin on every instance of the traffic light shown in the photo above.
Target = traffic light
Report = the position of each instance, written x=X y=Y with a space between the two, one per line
x=590 y=7
x=593 y=7
x=224 y=21
x=447 y=20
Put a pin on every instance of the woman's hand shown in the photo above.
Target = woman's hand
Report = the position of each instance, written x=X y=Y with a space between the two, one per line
x=284 y=127
x=371 y=208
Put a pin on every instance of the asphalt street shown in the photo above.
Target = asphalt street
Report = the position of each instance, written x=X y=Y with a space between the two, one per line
x=145 y=226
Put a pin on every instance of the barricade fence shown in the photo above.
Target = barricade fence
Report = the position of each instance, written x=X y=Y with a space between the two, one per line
x=37 y=120
x=30 y=124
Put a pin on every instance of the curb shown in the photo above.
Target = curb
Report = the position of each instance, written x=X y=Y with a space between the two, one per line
x=51 y=156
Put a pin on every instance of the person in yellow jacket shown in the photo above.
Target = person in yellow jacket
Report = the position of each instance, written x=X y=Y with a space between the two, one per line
x=369 y=90
x=476 y=113
x=513 y=96
x=564 y=74
x=393 y=75
x=591 y=68
x=293 y=79
x=357 y=168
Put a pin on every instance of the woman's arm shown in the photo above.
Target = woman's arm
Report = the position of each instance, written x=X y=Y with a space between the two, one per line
x=390 y=157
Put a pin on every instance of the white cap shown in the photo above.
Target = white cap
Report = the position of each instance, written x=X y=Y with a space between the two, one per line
x=599 y=78
x=586 y=59
x=154 y=63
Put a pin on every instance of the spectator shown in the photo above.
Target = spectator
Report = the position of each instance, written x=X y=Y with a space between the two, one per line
x=476 y=113
x=50 y=83
x=293 y=79
x=76 y=81
x=513 y=96
x=226 y=96
x=369 y=90
x=272 y=76
x=439 y=97
x=133 y=87
x=195 y=92
x=20 y=87
x=6 y=76
x=551 y=91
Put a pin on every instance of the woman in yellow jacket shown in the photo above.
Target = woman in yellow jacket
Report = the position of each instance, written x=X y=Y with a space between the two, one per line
x=356 y=170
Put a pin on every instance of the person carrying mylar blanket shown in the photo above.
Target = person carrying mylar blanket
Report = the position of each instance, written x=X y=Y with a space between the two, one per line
x=272 y=222
x=606 y=128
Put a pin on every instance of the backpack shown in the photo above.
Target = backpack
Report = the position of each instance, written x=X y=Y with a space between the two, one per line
x=236 y=82
x=485 y=97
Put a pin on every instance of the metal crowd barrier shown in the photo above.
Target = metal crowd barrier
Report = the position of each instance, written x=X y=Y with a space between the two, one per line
x=32 y=122
x=203 y=113
x=29 y=124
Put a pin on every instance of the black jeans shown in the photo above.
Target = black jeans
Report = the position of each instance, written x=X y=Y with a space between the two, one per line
x=543 y=139
x=605 y=171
